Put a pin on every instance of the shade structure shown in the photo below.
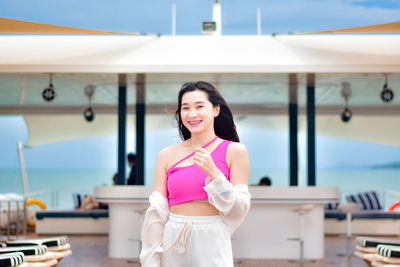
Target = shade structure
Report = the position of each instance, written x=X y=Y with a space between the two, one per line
x=320 y=54
x=11 y=26
x=201 y=54
x=46 y=129
x=377 y=28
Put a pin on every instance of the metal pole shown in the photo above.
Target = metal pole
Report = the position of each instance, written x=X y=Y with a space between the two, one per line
x=258 y=21
x=293 y=162
x=17 y=222
x=311 y=129
x=122 y=84
x=25 y=220
x=9 y=220
x=23 y=169
x=140 y=126
x=173 y=19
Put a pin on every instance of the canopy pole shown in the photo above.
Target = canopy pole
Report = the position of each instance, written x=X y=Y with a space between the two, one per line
x=311 y=129
x=140 y=127
x=293 y=150
x=121 y=128
x=23 y=169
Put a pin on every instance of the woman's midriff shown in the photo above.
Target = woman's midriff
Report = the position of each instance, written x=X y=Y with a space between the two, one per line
x=194 y=208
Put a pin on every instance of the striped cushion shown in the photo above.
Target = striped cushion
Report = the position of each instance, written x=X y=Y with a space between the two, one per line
x=27 y=250
x=78 y=199
x=363 y=241
x=389 y=251
x=11 y=259
x=367 y=200
x=49 y=242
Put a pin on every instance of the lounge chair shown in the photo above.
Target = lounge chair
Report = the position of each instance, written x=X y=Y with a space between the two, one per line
x=372 y=250
x=57 y=247
x=12 y=259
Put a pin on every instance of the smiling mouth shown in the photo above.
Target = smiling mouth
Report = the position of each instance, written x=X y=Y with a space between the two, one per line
x=194 y=122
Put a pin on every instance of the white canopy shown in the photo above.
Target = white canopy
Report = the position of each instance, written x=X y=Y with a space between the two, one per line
x=372 y=53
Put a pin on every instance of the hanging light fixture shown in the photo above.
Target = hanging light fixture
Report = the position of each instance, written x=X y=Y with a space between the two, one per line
x=49 y=93
x=346 y=93
x=88 y=114
x=387 y=93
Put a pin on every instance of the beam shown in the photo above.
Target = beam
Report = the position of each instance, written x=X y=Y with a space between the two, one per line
x=140 y=127
x=293 y=151
x=121 y=128
x=237 y=109
x=311 y=130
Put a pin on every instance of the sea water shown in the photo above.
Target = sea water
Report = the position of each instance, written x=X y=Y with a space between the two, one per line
x=55 y=187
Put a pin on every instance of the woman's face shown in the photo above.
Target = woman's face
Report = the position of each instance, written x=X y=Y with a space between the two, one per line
x=197 y=112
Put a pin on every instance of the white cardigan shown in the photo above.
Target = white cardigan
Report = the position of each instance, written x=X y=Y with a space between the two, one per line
x=232 y=202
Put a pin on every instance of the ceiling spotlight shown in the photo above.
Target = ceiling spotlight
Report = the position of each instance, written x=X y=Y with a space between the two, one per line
x=346 y=115
x=346 y=93
x=88 y=114
x=346 y=90
x=89 y=90
x=49 y=93
x=387 y=93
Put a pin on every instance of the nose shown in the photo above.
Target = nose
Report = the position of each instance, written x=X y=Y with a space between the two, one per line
x=192 y=113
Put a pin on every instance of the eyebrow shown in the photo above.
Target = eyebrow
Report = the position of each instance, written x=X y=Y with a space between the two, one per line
x=197 y=102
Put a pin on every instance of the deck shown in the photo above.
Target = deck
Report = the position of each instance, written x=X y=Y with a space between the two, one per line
x=92 y=251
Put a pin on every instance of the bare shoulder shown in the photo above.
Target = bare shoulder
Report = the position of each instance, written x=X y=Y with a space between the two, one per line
x=237 y=149
x=168 y=154
x=167 y=151
x=236 y=152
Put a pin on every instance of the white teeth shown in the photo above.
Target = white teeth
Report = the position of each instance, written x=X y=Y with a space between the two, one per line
x=194 y=122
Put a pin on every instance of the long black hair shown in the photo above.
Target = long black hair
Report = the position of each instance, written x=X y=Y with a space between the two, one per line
x=224 y=126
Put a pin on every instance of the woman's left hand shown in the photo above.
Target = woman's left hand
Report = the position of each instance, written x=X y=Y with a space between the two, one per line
x=203 y=159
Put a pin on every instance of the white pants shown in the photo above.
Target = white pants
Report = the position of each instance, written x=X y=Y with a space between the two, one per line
x=197 y=241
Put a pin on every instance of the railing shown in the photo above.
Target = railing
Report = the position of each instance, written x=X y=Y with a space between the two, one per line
x=13 y=216
x=13 y=211
x=60 y=198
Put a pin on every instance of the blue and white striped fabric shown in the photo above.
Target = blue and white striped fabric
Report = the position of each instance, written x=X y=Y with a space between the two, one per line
x=367 y=200
x=388 y=251
x=331 y=206
x=78 y=199
x=11 y=259
x=27 y=250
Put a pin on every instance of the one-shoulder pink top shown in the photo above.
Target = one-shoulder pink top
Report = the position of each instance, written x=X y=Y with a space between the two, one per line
x=186 y=183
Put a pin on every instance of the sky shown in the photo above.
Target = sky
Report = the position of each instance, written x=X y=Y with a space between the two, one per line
x=238 y=18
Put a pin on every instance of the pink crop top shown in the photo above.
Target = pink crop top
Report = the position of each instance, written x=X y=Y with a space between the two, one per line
x=186 y=183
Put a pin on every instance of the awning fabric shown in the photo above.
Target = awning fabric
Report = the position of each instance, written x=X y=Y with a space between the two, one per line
x=46 y=129
x=376 y=53
x=20 y=26
x=392 y=27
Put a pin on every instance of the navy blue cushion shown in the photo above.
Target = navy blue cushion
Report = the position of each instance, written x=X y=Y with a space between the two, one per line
x=366 y=200
x=72 y=214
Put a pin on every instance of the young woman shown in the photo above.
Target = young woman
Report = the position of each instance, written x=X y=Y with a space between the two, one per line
x=200 y=195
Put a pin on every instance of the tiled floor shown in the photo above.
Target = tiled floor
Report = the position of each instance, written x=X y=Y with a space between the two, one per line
x=91 y=251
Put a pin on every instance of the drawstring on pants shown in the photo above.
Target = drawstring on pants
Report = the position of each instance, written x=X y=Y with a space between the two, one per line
x=180 y=241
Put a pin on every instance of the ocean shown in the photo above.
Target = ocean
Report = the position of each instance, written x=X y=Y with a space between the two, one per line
x=57 y=186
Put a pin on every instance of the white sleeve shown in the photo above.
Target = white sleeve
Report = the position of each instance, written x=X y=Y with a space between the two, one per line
x=232 y=201
x=152 y=230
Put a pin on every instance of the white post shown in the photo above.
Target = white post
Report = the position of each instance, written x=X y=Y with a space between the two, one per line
x=258 y=21
x=217 y=17
x=23 y=169
x=173 y=19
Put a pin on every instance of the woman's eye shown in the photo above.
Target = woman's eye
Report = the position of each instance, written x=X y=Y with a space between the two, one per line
x=185 y=108
x=199 y=106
